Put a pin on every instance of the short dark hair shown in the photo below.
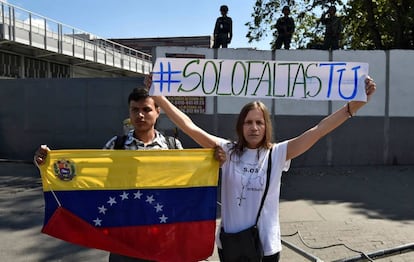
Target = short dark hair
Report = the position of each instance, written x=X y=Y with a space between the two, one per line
x=138 y=93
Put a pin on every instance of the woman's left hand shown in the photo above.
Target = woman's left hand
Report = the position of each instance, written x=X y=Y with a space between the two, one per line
x=220 y=155
x=370 y=88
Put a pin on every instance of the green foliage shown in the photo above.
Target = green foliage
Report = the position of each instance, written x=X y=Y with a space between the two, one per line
x=263 y=19
x=380 y=24
x=368 y=24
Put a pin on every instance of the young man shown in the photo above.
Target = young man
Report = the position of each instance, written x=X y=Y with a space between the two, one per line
x=143 y=114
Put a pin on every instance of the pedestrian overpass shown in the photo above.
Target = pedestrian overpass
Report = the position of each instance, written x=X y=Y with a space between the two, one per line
x=26 y=33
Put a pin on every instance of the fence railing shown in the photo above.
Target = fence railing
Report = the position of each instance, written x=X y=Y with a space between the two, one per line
x=25 y=27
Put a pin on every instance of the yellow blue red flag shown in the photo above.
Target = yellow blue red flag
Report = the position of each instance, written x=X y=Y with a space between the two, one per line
x=151 y=204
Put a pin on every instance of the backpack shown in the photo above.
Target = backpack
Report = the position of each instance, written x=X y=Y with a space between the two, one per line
x=120 y=141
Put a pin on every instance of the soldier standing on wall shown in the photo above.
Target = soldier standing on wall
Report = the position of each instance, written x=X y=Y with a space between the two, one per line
x=223 y=30
x=333 y=28
x=285 y=27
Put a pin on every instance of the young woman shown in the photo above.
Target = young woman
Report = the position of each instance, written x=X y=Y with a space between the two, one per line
x=245 y=165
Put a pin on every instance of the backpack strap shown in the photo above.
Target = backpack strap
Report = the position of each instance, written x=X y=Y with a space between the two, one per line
x=171 y=142
x=120 y=142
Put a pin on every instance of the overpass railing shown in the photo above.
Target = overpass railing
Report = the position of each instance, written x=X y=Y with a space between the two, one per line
x=25 y=27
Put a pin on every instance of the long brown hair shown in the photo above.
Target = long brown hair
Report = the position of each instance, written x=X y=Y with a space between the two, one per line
x=241 y=142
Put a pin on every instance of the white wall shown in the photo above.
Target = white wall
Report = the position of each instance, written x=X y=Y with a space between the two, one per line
x=377 y=70
x=401 y=83
x=232 y=105
x=391 y=70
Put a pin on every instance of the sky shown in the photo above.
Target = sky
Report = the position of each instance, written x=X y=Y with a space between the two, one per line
x=147 y=18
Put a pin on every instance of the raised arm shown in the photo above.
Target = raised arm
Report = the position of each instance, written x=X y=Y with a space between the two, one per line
x=301 y=143
x=182 y=121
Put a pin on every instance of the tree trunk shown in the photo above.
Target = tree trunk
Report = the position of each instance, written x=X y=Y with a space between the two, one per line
x=371 y=22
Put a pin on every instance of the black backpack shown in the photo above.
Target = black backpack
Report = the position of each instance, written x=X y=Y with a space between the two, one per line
x=120 y=142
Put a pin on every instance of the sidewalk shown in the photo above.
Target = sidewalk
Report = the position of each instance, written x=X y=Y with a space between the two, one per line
x=365 y=208
x=368 y=209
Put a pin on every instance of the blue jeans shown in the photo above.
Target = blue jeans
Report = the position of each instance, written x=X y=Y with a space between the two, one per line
x=120 y=258
x=271 y=258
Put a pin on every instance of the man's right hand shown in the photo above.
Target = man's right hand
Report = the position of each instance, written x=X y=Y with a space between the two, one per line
x=148 y=82
x=41 y=154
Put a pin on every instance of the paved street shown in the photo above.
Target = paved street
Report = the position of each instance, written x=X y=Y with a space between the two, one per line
x=367 y=209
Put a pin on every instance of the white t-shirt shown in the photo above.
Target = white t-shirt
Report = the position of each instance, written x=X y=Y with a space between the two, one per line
x=243 y=184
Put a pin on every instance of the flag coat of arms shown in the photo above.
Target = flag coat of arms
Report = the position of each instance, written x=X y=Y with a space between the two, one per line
x=152 y=204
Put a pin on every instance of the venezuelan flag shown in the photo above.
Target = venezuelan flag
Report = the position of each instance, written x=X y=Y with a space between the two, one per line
x=152 y=204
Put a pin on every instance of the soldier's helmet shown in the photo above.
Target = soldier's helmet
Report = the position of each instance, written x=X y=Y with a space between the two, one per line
x=224 y=8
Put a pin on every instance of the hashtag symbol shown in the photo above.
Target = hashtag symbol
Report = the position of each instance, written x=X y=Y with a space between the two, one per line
x=168 y=80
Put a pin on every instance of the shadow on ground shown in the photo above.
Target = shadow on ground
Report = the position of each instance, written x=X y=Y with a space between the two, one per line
x=377 y=192
x=21 y=220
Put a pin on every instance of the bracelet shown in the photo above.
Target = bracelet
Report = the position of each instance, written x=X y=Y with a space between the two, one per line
x=349 y=110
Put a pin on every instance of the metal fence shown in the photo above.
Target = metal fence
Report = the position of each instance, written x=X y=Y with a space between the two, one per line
x=25 y=27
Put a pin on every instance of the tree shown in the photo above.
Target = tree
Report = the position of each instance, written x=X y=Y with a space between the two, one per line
x=368 y=24
x=263 y=20
x=305 y=12
x=380 y=24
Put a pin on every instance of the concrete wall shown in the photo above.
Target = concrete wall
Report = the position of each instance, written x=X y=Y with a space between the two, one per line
x=85 y=113
x=62 y=113
x=380 y=132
